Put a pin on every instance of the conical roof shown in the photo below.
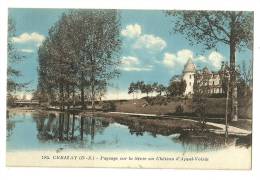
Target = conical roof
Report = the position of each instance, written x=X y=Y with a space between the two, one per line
x=189 y=67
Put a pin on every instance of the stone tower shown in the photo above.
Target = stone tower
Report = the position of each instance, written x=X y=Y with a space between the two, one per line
x=188 y=75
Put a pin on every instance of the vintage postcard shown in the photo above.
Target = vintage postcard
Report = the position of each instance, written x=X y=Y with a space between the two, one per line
x=129 y=88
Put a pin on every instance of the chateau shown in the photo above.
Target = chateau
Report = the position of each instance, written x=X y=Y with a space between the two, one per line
x=188 y=75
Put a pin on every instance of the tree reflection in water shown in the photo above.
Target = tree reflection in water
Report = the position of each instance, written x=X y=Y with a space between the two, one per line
x=10 y=125
x=65 y=127
x=71 y=128
x=204 y=141
x=193 y=139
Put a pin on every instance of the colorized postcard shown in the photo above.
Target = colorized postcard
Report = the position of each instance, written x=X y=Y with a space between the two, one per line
x=129 y=88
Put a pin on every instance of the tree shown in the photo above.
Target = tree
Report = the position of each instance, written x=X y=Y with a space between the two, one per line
x=132 y=89
x=247 y=73
x=80 y=56
x=13 y=58
x=100 y=44
x=154 y=87
x=176 y=88
x=147 y=88
x=235 y=29
x=140 y=85
x=245 y=79
x=201 y=93
x=160 y=89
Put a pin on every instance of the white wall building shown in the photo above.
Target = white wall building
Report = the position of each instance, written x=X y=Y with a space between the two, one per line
x=188 y=75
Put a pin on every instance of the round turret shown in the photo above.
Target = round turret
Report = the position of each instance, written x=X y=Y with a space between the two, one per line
x=189 y=67
x=188 y=76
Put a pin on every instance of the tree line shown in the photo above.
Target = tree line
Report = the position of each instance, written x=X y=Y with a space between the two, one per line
x=175 y=88
x=79 y=57
x=13 y=57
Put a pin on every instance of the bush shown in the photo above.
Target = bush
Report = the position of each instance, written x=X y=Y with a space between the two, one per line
x=157 y=100
x=108 y=106
x=218 y=95
x=179 y=109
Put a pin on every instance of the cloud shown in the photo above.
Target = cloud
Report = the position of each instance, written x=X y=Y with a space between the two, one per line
x=150 y=42
x=26 y=37
x=129 y=60
x=130 y=63
x=26 y=50
x=215 y=58
x=184 y=55
x=174 y=59
x=212 y=60
x=132 y=31
x=169 y=59
x=200 y=58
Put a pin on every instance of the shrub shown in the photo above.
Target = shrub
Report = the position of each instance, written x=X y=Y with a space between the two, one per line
x=179 y=109
x=218 y=95
x=157 y=100
x=108 y=106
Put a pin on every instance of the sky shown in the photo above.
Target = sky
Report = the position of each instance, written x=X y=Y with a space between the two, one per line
x=150 y=52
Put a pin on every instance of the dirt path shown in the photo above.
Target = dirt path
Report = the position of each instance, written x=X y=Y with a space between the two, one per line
x=135 y=114
x=231 y=129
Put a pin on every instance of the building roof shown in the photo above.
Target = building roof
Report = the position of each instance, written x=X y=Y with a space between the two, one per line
x=189 y=67
x=206 y=70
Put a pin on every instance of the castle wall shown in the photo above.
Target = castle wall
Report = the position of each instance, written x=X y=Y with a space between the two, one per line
x=189 y=78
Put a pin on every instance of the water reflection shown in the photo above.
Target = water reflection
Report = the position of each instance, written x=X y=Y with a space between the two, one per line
x=67 y=127
x=54 y=129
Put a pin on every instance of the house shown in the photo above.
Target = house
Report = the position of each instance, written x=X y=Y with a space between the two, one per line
x=214 y=78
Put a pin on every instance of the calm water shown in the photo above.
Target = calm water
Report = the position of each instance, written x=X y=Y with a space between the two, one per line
x=42 y=131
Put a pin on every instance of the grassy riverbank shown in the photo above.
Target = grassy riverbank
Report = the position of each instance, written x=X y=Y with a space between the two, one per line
x=215 y=107
x=165 y=114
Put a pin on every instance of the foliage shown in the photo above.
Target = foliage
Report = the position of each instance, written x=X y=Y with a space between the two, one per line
x=201 y=90
x=244 y=80
x=218 y=95
x=163 y=93
x=157 y=100
x=108 y=106
x=209 y=28
x=160 y=88
x=13 y=57
x=176 y=88
x=80 y=56
x=246 y=72
x=132 y=89
x=179 y=109
x=146 y=88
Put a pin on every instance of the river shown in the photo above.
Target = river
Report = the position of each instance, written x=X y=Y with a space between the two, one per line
x=62 y=131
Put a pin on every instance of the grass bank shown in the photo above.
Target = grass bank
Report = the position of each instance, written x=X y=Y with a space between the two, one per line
x=215 y=107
